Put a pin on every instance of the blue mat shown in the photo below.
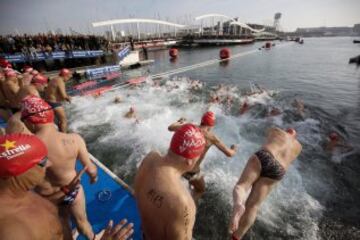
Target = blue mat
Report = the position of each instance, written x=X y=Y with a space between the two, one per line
x=107 y=199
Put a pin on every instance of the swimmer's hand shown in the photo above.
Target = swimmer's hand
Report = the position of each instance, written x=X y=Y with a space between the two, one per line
x=121 y=231
x=238 y=211
x=233 y=149
x=68 y=99
x=74 y=183
x=92 y=172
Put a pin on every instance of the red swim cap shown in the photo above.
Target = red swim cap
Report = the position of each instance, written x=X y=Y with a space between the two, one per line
x=208 y=119
x=36 y=110
x=4 y=63
x=334 y=136
x=19 y=153
x=64 y=72
x=188 y=142
x=40 y=79
x=291 y=131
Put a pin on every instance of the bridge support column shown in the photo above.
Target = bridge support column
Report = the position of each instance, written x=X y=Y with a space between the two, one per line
x=112 y=32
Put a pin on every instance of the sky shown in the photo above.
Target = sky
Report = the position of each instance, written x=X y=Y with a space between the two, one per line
x=33 y=16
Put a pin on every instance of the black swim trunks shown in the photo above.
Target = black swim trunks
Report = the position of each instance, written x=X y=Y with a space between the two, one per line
x=270 y=167
x=54 y=104
x=14 y=110
x=191 y=175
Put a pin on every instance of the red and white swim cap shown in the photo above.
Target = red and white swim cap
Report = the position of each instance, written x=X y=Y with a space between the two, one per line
x=36 y=110
x=40 y=79
x=208 y=119
x=64 y=72
x=188 y=142
x=19 y=153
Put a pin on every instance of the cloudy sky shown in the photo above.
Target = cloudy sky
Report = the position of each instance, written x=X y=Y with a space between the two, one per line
x=32 y=16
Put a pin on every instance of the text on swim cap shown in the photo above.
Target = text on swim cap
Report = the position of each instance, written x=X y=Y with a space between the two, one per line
x=19 y=150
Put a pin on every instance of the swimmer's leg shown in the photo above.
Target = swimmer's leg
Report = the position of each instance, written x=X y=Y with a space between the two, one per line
x=78 y=212
x=259 y=192
x=242 y=189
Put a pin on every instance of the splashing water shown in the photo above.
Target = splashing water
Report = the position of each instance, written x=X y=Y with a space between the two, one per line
x=122 y=143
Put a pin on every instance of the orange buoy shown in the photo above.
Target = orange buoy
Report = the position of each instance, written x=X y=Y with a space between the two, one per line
x=173 y=52
x=224 y=53
x=268 y=45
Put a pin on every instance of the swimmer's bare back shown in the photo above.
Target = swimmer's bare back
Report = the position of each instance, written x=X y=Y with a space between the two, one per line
x=167 y=208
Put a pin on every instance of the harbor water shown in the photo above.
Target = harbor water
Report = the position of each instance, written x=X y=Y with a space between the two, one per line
x=320 y=194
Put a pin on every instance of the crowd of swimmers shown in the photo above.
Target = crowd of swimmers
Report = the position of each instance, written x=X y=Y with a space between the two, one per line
x=41 y=189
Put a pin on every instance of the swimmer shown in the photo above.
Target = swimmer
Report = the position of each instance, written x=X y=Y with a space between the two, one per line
x=255 y=90
x=194 y=176
x=63 y=151
x=10 y=88
x=274 y=112
x=264 y=169
x=335 y=141
x=4 y=110
x=39 y=82
x=26 y=78
x=214 y=99
x=166 y=207
x=131 y=113
x=244 y=107
x=55 y=94
x=299 y=106
x=37 y=87
x=27 y=215
x=117 y=99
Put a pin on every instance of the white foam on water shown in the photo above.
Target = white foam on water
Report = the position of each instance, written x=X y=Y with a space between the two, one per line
x=157 y=107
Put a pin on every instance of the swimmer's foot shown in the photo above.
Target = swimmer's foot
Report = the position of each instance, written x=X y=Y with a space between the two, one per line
x=238 y=211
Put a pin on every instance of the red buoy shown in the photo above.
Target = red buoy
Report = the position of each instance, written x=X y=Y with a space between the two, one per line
x=224 y=53
x=268 y=45
x=173 y=52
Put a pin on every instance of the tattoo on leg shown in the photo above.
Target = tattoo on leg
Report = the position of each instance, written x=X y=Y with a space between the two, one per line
x=155 y=198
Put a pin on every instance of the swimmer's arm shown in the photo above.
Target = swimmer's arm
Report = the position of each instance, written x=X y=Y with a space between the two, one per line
x=15 y=229
x=176 y=125
x=83 y=156
x=229 y=152
x=62 y=90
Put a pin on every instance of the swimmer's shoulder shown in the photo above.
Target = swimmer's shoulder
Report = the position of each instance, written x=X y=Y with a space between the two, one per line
x=152 y=156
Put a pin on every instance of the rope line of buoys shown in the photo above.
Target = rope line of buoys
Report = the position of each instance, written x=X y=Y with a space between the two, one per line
x=198 y=65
